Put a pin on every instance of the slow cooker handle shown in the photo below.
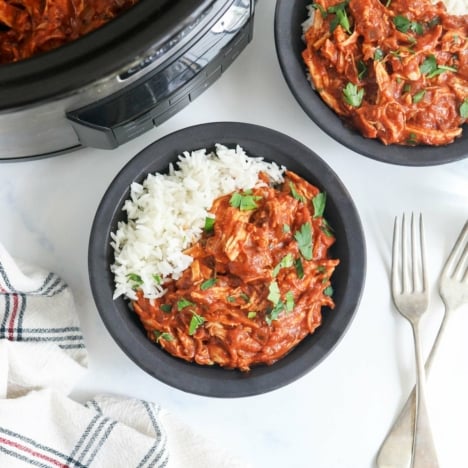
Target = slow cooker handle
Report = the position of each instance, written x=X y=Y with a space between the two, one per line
x=122 y=116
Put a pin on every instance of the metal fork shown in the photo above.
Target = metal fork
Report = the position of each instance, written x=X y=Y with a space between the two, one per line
x=411 y=298
x=395 y=451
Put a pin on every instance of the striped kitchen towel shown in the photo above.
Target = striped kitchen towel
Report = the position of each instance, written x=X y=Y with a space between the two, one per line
x=42 y=356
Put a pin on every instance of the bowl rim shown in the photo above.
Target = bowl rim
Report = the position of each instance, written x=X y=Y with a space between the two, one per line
x=288 y=33
x=207 y=380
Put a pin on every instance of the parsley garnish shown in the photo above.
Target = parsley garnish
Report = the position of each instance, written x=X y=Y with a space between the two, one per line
x=183 y=303
x=157 y=278
x=274 y=292
x=341 y=17
x=361 y=68
x=207 y=283
x=464 y=109
x=419 y=95
x=286 y=228
x=286 y=262
x=245 y=201
x=135 y=279
x=295 y=194
x=403 y=24
x=166 y=308
x=299 y=268
x=328 y=291
x=162 y=336
x=378 y=54
x=304 y=240
x=319 y=202
x=195 y=322
x=289 y=301
x=252 y=314
x=430 y=68
x=209 y=224
x=353 y=95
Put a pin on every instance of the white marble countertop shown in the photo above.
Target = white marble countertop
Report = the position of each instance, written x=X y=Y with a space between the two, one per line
x=338 y=414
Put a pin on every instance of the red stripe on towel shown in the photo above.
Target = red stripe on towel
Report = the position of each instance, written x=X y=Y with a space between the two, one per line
x=11 y=324
x=41 y=456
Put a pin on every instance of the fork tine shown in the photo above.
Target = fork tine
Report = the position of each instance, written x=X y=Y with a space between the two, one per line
x=450 y=267
x=422 y=253
x=404 y=255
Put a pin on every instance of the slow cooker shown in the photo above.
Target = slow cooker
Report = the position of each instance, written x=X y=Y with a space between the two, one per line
x=121 y=80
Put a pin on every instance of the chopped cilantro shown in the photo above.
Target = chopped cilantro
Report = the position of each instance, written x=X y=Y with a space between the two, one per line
x=183 y=303
x=362 y=69
x=341 y=17
x=419 y=95
x=404 y=24
x=295 y=194
x=274 y=293
x=135 y=279
x=319 y=202
x=289 y=301
x=252 y=314
x=299 y=268
x=162 y=336
x=353 y=95
x=209 y=224
x=328 y=291
x=195 y=322
x=286 y=262
x=464 y=109
x=166 y=308
x=245 y=201
x=207 y=283
x=430 y=68
x=378 y=54
x=304 y=240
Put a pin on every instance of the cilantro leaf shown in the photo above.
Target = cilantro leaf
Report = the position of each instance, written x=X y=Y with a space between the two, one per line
x=295 y=194
x=135 y=279
x=209 y=224
x=304 y=240
x=166 y=308
x=464 y=109
x=245 y=201
x=286 y=262
x=404 y=24
x=289 y=301
x=162 y=336
x=274 y=293
x=353 y=95
x=252 y=314
x=328 y=291
x=183 y=303
x=195 y=322
x=207 y=284
x=429 y=65
x=319 y=202
x=419 y=95
x=299 y=268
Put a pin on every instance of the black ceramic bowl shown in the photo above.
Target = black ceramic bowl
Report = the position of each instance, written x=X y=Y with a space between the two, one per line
x=289 y=16
x=347 y=281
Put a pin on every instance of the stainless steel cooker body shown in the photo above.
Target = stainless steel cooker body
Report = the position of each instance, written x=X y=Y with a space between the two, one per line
x=136 y=80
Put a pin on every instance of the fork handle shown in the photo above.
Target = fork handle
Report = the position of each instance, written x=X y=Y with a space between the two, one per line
x=424 y=452
x=395 y=451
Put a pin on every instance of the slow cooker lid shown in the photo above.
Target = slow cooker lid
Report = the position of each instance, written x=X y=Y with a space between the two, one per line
x=101 y=53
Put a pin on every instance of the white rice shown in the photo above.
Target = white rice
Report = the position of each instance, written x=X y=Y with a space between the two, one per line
x=166 y=214
x=456 y=7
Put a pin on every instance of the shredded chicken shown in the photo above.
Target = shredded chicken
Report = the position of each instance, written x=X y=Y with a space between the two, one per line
x=395 y=70
x=28 y=27
x=257 y=283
